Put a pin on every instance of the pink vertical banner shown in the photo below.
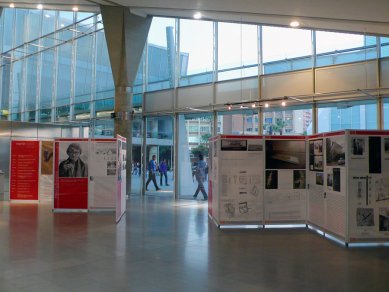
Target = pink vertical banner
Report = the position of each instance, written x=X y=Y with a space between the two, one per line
x=121 y=177
x=24 y=178
x=71 y=174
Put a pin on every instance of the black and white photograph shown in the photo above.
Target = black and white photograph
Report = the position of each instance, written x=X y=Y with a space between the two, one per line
x=384 y=219
x=254 y=146
x=318 y=163
x=316 y=155
x=73 y=157
x=111 y=167
x=285 y=154
x=329 y=180
x=365 y=217
x=271 y=179
x=233 y=145
x=335 y=151
x=311 y=154
x=319 y=178
x=336 y=179
x=299 y=179
x=375 y=155
x=357 y=146
x=318 y=147
x=386 y=146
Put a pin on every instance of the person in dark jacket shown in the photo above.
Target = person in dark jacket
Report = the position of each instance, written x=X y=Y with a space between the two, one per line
x=152 y=168
x=200 y=177
x=163 y=172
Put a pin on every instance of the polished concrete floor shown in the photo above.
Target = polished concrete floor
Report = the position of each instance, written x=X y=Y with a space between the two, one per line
x=162 y=245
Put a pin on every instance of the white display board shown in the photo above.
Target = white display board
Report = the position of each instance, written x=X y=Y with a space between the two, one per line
x=315 y=181
x=121 y=177
x=368 y=183
x=102 y=174
x=335 y=182
x=285 y=180
x=237 y=179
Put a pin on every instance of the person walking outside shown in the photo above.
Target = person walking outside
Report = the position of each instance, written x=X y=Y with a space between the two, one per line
x=163 y=171
x=200 y=177
x=152 y=168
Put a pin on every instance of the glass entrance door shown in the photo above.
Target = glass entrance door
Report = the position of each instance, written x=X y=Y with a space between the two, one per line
x=159 y=156
x=194 y=130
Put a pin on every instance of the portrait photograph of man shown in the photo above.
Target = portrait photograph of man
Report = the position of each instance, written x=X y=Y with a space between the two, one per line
x=75 y=164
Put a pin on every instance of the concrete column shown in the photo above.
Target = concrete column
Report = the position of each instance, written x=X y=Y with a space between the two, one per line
x=126 y=36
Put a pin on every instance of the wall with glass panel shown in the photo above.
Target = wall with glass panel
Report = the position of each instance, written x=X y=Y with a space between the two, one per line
x=286 y=49
x=196 y=48
x=386 y=114
x=291 y=120
x=347 y=115
x=237 y=50
x=71 y=78
x=239 y=122
x=194 y=130
x=338 y=48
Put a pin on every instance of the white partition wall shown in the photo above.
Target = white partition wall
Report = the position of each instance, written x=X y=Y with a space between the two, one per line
x=285 y=180
x=102 y=174
x=337 y=182
x=315 y=181
x=236 y=180
x=368 y=186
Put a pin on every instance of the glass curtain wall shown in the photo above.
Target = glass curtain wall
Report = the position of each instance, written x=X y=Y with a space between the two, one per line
x=293 y=120
x=384 y=47
x=338 y=48
x=137 y=142
x=160 y=142
x=386 y=113
x=203 y=48
x=196 y=52
x=237 y=50
x=244 y=122
x=161 y=54
x=347 y=115
x=286 y=49
x=194 y=130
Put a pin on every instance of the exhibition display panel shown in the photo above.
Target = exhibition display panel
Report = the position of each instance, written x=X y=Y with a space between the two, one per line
x=235 y=187
x=72 y=174
x=336 y=182
x=24 y=170
x=327 y=187
x=121 y=147
x=87 y=172
x=368 y=186
x=285 y=180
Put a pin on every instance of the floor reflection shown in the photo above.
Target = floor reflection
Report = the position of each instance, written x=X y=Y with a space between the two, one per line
x=23 y=229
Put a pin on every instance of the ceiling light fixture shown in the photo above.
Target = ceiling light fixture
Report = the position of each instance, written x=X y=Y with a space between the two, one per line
x=197 y=15
x=39 y=6
x=254 y=105
x=294 y=23
x=47 y=15
x=12 y=5
x=283 y=103
x=266 y=105
x=75 y=8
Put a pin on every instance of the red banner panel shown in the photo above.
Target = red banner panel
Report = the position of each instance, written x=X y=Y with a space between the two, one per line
x=24 y=178
x=70 y=192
